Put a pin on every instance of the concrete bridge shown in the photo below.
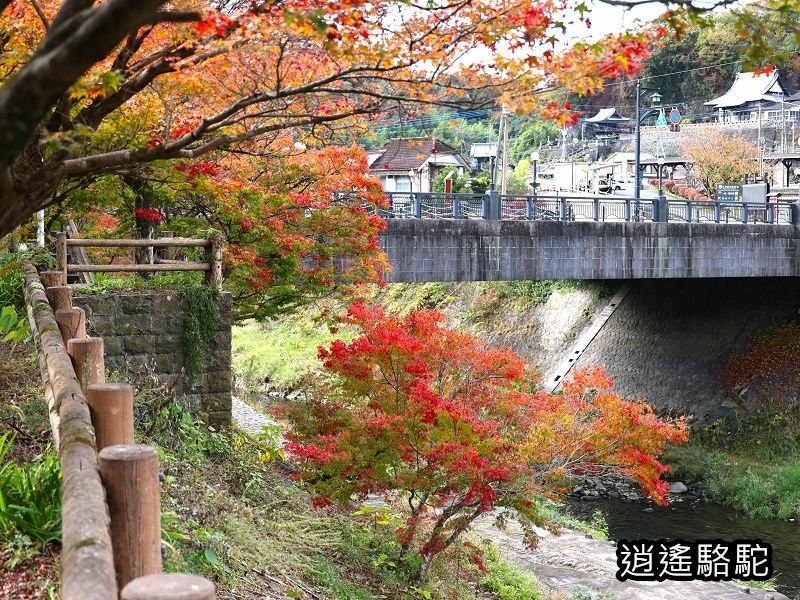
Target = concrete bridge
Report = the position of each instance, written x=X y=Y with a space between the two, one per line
x=423 y=250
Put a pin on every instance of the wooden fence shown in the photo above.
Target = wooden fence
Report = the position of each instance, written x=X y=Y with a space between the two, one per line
x=110 y=491
x=213 y=269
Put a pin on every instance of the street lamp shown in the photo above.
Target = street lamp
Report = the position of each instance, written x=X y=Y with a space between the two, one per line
x=572 y=161
x=529 y=208
x=641 y=116
x=797 y=174
x=660 y=172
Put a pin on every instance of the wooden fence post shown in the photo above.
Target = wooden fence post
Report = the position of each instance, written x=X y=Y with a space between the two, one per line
x=52 y=278
x=169 y=586
x=59 y=296
x=130 y=476
x=61 y=254
x=87 y=359
x=214 y=275
x=111 y=405
x=71 y=323
x=167 y=252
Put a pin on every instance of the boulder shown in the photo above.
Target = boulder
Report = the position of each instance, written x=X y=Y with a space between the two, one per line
x=678 y=488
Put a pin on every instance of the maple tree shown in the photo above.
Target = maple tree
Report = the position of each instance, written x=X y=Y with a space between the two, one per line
x=719 y=158
x=458 y=429
x=189 y=80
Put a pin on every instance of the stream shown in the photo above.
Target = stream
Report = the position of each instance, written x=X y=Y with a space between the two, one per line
x=702 y=520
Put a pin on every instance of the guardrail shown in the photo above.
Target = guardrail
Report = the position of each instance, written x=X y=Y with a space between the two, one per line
x=212 y=269
x=560 y=207
x=111 y=515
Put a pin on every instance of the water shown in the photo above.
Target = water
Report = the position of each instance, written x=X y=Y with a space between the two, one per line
x=703 y=520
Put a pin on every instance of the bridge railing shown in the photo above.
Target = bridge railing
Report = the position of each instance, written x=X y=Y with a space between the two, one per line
x=559 y=207
x=424 y=205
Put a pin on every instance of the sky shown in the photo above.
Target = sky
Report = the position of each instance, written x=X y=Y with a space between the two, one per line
x=607 y=19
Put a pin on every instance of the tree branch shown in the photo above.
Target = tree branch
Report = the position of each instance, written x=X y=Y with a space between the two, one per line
x=55 y=66
x=40 y=12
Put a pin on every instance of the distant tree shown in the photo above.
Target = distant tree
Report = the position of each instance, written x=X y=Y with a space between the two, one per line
x=533 y=133
x=720 y=158
x=467 y=183
x=432 y=416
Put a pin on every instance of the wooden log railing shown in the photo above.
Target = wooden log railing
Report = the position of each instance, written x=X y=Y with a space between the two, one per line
x=212 y=269
x=109 y=547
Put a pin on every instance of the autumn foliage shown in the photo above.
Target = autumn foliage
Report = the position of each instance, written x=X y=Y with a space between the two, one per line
x=721 y=158
x=770 y=368
x=458 y=429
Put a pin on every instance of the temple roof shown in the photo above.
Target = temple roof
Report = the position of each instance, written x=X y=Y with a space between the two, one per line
x=750 y=87
x=608 y=116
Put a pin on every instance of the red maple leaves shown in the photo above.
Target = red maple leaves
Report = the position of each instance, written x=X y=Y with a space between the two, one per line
x=457 y=427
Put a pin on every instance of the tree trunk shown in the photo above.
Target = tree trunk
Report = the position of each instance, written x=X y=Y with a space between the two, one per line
x=423 y=569
x=144 y=228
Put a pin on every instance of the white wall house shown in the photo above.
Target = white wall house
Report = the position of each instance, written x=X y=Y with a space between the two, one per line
x=412 y=164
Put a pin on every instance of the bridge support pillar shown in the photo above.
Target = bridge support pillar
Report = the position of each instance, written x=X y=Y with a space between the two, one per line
x=795 y=213
x=491 y=205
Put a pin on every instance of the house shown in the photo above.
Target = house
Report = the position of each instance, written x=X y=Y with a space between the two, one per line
x=412 y=164
x=562 y=176
x=752 y=96
x=482 y=154
x=619 y=166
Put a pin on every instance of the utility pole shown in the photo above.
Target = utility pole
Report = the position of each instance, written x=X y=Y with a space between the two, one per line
x=783 y=123
x=637 y=185
x=760 y=147
x=504 y=122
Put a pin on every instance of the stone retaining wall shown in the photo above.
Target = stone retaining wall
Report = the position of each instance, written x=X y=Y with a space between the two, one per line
x=668 y=340
x=143 y=335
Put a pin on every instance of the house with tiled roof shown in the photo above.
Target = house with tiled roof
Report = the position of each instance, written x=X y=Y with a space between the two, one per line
x=412 y=164
x=752 y=96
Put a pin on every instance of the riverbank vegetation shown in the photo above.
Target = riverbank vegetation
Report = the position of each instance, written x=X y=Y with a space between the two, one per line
x=233 y=512
x=29 y=487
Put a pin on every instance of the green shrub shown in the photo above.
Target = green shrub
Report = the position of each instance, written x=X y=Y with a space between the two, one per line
x=30 y=502
x=506 y=581
x=13 y=328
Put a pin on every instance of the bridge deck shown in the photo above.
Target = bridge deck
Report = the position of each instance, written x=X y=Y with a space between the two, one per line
x=422 y=250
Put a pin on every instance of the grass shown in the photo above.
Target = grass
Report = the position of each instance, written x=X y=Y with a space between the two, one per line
x=759 y=488
x=282 y=352
x=557 y=514
x=105 y=282
x=533 y=293
x=507 y=582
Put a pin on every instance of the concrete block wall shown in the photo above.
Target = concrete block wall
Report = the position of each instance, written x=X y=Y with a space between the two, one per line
x=143 y=337
x=423 y=250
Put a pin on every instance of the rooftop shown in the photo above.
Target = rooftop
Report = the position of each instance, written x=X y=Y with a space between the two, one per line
x=408 y=153
x=750 y=87
x=608 y=116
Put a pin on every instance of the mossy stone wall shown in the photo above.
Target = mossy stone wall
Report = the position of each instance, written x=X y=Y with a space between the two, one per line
x=143 y=332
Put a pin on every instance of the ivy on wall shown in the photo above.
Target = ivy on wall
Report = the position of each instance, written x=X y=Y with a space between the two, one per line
x=201 y=324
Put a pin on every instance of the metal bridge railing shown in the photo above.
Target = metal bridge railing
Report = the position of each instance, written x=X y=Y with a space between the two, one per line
x=559 y=207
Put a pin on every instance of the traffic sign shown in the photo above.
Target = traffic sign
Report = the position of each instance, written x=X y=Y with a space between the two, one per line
x=675 y=116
